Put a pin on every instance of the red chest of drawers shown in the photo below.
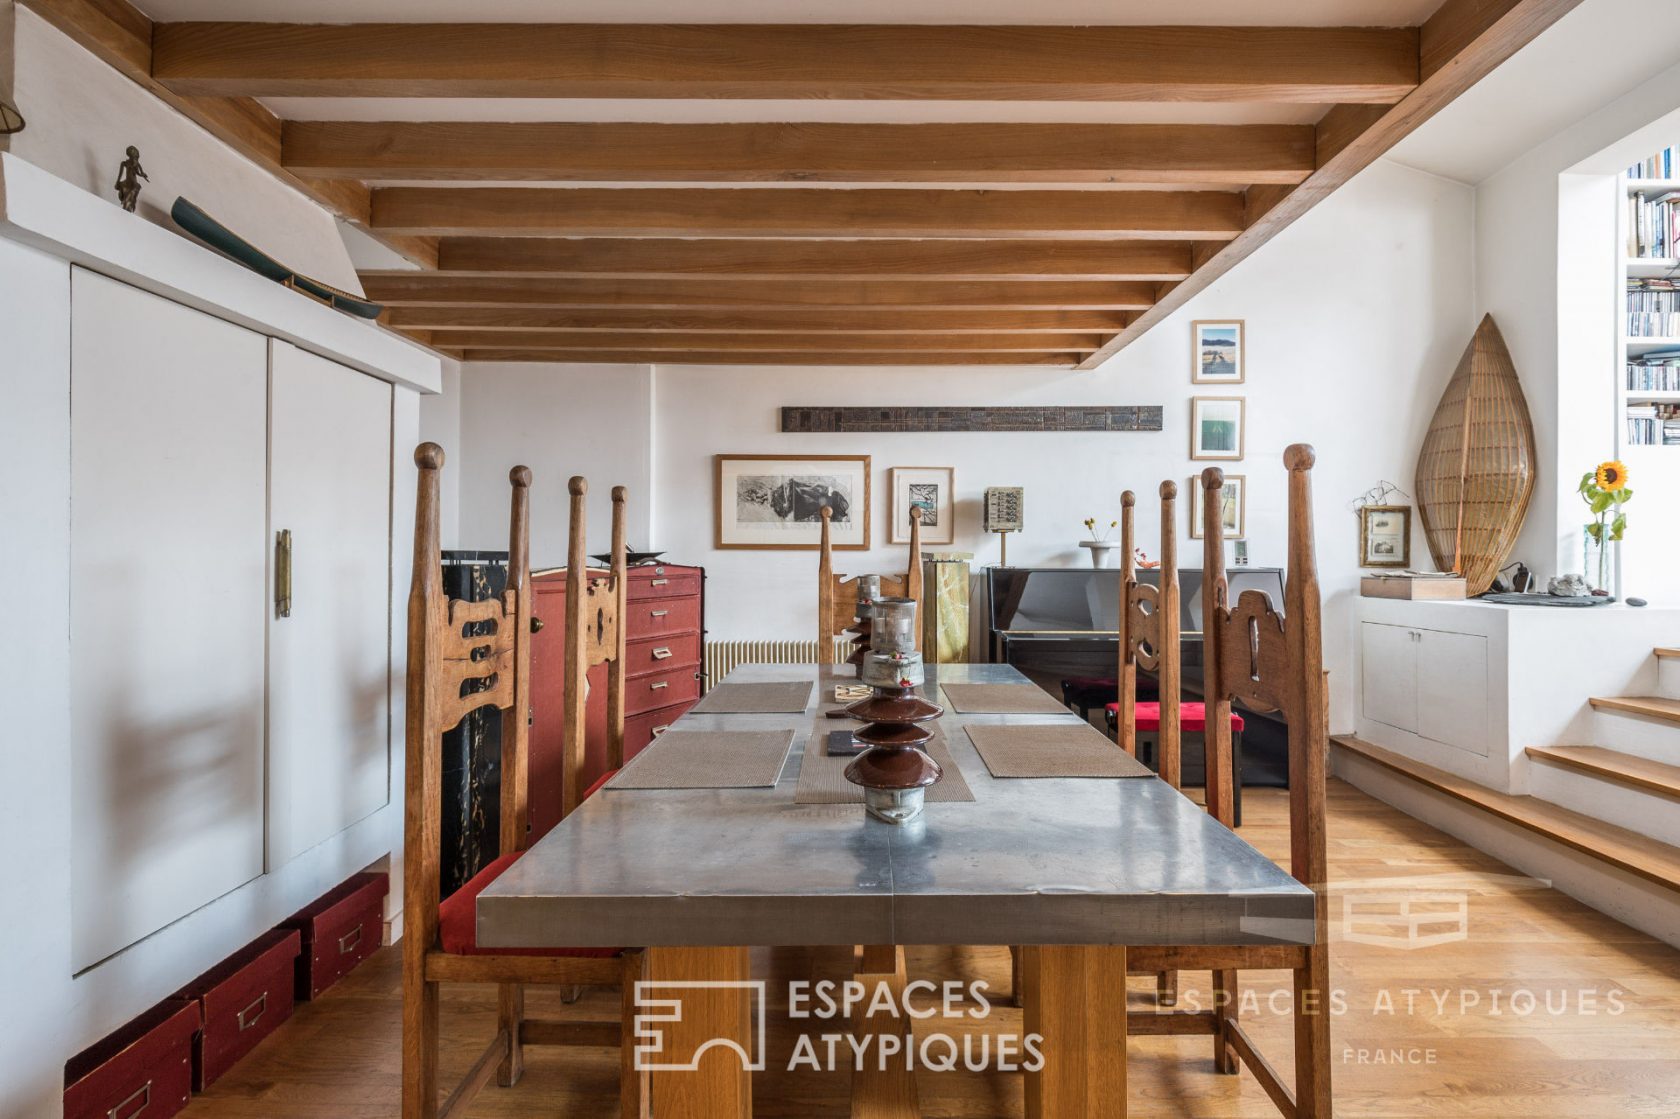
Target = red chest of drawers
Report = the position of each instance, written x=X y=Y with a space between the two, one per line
x=664 y=635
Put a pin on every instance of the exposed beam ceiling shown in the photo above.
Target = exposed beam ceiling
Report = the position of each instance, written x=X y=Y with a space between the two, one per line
x=1028 y=232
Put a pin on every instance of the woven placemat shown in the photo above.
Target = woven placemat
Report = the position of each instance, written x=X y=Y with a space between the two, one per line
x=708 y=759
x=1001 y=699
x=781 y=697
x=822 y=779
x=1052 y=750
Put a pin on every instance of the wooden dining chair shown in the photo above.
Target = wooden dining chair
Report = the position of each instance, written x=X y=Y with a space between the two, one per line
x=596 y=610
x=837 y=595
x=450 y=674
x=1270 y=661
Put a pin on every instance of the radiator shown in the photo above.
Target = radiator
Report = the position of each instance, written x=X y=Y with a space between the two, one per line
x=722 y=656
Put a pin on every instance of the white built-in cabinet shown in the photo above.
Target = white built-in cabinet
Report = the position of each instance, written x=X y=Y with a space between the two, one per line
x=213 y=740
x=1429 y=682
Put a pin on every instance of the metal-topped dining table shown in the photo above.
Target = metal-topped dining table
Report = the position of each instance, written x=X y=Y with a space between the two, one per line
x=1074 y=869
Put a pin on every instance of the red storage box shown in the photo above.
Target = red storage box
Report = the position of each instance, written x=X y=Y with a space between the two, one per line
x=340 y=929
x=144 y=1067
x=243 y=999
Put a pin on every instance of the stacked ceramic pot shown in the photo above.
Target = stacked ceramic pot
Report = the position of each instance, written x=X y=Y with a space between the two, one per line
x=868 y=590
x=894 y=772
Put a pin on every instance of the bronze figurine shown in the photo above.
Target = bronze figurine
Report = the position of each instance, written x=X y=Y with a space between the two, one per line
x=128 y=179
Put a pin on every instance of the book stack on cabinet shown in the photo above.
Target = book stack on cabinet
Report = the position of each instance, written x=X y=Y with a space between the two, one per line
x=664 y=635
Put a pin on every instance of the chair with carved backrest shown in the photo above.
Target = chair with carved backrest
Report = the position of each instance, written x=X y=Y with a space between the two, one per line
x=450 y=674
x=837 y=595
x=1271 y=661
x=596 y=609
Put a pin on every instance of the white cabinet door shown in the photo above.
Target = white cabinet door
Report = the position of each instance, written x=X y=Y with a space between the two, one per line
x=1452 y=689
x=1389 y=683
x=168 y=587
x=329 y=660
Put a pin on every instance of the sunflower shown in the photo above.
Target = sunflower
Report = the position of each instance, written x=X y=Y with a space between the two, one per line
x=1612 y=476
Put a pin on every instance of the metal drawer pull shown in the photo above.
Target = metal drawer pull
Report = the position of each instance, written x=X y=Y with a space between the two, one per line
x=354 y=936
x=283 y=573
x=660 y=684
x=657 y=613
x=662 y=654
x=260 y=1006
x=657 y=731
x=657 y=582
x=144 y=1090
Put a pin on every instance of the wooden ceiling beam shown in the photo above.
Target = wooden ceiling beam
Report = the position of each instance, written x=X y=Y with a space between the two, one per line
x=737 y=357
x=1459 y=45
x=427 y=289
x=120 y=35
x=732 y=321
x=1168 y=154
x=651 y=258
x=834 y=214
x=740 y=340
x=1314 y=65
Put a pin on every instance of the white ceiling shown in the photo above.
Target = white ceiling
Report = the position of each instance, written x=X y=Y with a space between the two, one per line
x=1586 y=60
x=1252 y=13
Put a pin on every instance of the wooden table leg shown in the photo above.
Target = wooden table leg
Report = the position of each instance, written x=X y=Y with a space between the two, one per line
x=1076 y=1002
x=710 y=1020
x=883 y=1092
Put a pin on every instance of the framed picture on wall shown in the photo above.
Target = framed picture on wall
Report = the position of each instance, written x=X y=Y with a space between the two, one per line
x=1217 y=346
x=1233 y=505
x=771 y=501
x=929 y=488
x=1385 y=536
x=1217 y=427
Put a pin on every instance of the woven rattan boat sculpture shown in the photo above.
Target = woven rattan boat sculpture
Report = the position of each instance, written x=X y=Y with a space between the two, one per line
x=1475 y=474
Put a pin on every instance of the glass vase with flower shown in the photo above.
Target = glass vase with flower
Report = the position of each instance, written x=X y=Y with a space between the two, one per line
x=1605 y=491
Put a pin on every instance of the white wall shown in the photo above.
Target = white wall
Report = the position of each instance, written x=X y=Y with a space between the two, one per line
x=1545 y=244
x=1356 y=316
x=440 y=423
x=594 y=420
x=82 y=115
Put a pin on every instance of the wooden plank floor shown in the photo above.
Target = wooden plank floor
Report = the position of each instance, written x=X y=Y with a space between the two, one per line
x=1544 y=1008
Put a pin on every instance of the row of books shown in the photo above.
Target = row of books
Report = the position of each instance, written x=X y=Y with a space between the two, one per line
x=1664 y=165
x=1653 y=309
x=1660 y=375
x=1653 y=425
x=1654 y=225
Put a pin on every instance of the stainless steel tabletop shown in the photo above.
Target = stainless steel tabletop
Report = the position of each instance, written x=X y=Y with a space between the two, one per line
x=1029 y=861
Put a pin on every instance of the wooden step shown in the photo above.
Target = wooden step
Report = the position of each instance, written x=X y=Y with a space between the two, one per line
x=1653 y=707
x=1667 y=654
x=1612 y=765
x=1619 y=847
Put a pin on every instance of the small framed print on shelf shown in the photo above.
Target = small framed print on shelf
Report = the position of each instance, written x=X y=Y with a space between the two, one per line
x=1233 y=506
x=1218 y=352
x=1217 y=427
x=929 y=488
x=1385 y=536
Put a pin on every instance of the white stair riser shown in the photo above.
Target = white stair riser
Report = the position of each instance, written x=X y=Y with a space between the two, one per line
x=1668 y=677
x=1647 y=813
x=1639 y=735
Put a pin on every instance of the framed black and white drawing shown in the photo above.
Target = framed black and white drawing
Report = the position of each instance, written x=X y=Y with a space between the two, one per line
x=1233 y=507
x=1385 y=536
x=768 y=501
x=930 y=489
x=1217 y=427
x=1218 y=352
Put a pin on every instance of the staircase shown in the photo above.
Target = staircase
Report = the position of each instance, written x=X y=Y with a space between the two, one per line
x=1601 y=821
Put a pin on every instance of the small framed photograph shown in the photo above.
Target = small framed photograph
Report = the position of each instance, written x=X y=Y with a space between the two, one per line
x=1218 y=352
x=929 y=488
x=1385 y=536
x=768 y=501
x=1217 y=426
x=1233 y=505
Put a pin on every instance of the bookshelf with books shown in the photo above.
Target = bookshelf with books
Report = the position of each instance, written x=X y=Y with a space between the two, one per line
x=1649 y=346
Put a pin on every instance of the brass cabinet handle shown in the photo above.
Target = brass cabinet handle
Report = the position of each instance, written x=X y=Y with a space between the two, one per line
x=658 y=613
x=260 y=1006
x=657 y=731
x=662 y=654
x=142 y=1093
x=283 y=573
x=660 y=684
x=354 y=936
x=657 y=582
